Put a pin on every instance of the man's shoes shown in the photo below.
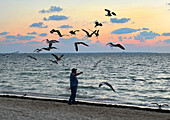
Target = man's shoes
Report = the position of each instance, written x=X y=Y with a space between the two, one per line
x=74 y=102
x=69 y=103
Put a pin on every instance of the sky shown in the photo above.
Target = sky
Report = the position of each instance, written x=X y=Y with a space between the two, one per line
x=139 y=25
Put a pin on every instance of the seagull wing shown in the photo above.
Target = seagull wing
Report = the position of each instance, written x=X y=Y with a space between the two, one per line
x=55 y=56
x=114 y=13
x=93 y=33
x=84 y=43
x=86 y=32
x=110 y=86
x=120 y=46
x=61 y=56
x=76 y=46
x=50 y=45
x=59 y=33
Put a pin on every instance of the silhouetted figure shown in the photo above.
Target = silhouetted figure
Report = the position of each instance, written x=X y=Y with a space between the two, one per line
x=106 y=83
x=98 y=24
x=89 y=35
x=74 y=32
x=159 y=105
x=59 y=33
x=76 y=45
x=115 y=45
x=31 y=57
x=57 y=58
x=109 y=13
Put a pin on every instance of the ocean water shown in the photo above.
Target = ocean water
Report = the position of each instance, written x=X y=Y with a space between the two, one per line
x=20 y=74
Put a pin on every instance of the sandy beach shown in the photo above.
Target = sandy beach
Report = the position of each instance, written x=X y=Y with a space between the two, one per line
x=27 y=109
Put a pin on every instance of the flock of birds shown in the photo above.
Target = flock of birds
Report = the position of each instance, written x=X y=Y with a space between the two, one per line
x=88 y=35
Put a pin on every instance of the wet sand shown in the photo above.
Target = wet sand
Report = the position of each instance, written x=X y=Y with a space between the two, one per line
x=27 y=109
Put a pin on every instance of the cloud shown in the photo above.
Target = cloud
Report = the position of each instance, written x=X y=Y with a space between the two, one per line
x=8 y=41
x=142 y=36
x=43 y=34
x=52 y=9
x=65 y=26
x=33 y=42
x=122 y=20
x=39 y=25
x=120 y=38
x=4 y=33
x=32 y=33
x=19 y=37
x=56 y=17
x=166 y=34
x=167 y=41
x=145 y=28
x=124 y=31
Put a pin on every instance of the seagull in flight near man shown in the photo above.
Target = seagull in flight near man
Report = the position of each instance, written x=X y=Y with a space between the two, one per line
x=108 y=84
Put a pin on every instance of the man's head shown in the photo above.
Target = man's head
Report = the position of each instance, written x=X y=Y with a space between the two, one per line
x=74 y=70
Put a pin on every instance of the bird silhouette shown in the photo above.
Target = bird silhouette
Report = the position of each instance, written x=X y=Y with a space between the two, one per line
x=98 y=24
x=89 y=35
x=115 y=45
x=108 y=84
x=109 y=13
x=58 y=32
x=37 y=50
x=95 y=65
x=160 y=105
x=8 y=55
x=76 y=45
x=51 y=41
x=74 y=32
x=49 y=48
x=57 y=58
x=31 y=57
x=54 y=61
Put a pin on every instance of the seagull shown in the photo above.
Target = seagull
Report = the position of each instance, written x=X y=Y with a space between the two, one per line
x=74 y=32
x=37 y=50
x=98 y=24
x=102 y=83
x=11 y=54
x=76 y=45
x=95 y=65
x=32 y=57
x=115 y=45
x=160 y=105
x=57 y=58
x=96 y=33
x=109 y=13
x=59 y=33
x=51 y=41
x=54 y=61
x=89 y=35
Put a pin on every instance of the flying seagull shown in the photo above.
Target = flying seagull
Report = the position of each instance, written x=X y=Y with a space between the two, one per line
x=89 y=35
x=96 y=33
x=73 y=32
x=59 y=33
x=76 y=45
x=32 y=57
x=37 y=50
x=57 y=58
x=98 y=24
x=51 y=41
x=8 y=55
x=106 y=83
x=54 y=61
x=160 y=105
x=95 y=65
x=109 y=13
x=115 y=45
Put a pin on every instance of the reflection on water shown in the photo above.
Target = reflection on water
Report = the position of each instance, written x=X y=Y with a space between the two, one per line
x=151 y=72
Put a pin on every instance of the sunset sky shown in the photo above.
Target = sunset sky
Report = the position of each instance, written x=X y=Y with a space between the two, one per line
x=139 y=25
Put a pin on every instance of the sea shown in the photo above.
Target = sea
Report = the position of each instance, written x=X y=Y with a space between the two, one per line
x=139 y=79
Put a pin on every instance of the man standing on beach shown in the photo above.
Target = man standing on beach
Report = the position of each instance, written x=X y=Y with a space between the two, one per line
x=73 y=85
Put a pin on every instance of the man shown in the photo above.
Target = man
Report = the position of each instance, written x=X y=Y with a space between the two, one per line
x=73 y=85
